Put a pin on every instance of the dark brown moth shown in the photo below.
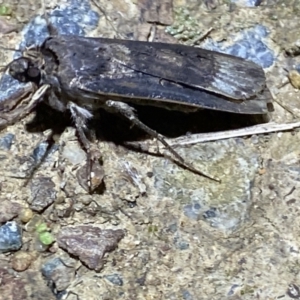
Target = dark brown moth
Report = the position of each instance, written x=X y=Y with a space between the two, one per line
x=83 y=74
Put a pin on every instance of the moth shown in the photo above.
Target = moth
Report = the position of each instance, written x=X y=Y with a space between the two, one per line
x=82 y=74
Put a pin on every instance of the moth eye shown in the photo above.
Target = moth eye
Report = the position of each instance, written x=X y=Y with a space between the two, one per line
x=33 y=72
x=18 y=68
x=23 y=70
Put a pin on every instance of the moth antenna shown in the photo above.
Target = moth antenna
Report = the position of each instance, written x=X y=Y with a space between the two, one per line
x=3 y=69
x=43 y=7
x=10 y=49
x=52 y=30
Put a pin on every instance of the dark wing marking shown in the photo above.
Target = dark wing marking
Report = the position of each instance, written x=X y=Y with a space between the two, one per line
x=223 y=74
x=198 y=68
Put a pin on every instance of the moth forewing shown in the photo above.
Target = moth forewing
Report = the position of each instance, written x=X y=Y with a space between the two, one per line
x=165 y=74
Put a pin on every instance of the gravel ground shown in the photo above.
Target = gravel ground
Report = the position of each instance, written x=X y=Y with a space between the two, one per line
x=152 y=230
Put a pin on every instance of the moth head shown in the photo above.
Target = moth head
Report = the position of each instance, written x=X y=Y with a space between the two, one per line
x=24 y=69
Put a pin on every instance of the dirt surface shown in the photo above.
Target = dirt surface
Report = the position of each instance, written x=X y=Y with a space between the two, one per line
x=171 y=234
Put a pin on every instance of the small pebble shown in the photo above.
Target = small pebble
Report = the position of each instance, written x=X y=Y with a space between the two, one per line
x=6 y=141
x=115 y=279
x=59 y=272
x=26 y=215
x=9 y=210
x=10 y=237
x=294 y=77
x=21 y=260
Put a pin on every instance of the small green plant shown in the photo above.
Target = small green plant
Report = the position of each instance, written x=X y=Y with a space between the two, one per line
x=5 y=10
x=44 y=234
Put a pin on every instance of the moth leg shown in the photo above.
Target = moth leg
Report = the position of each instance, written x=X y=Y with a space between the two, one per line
x=80 y=117
x=40 y=92
x=129 y=113
x=24 y=109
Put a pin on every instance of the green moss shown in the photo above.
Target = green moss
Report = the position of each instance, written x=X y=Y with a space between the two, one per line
x=152 y=228
x=5 y=10
x=184 y=27
x=41 y=227
x=44 y=234
x=46 y=238
x=248 y=290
